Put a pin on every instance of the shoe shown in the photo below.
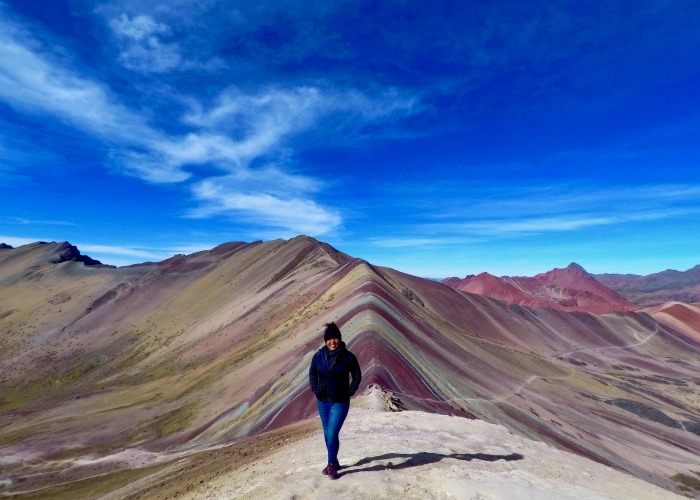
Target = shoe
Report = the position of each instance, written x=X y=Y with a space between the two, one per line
x=331 y=472
x=325 y=469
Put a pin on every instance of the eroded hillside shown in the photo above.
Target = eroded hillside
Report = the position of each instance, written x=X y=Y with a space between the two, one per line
x=138 y=366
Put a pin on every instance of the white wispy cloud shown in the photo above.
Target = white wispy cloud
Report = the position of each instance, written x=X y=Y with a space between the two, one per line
x=472 y=202
x=123 y=251
x=230 y=134
x=284 y=109
x=150 y=165
x=116 y=254
x=533 y=224
x=42 y=222
x=127 y=255
x=34 y=82
x=156 y=38
x=18 y=241
x=244 y=127
x=269 y=207
x=418 y=242
x=263 y=119
x=192 y=248
x=522 y=226
x=141 y=46
x=492 y=213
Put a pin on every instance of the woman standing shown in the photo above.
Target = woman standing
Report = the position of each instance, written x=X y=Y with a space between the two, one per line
x=329 y=377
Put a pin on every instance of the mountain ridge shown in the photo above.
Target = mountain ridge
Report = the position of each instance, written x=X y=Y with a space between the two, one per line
x=211 y=348
x=657 y=288
x=570 y=288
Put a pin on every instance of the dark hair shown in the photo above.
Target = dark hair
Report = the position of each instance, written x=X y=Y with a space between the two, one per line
x=332 y=332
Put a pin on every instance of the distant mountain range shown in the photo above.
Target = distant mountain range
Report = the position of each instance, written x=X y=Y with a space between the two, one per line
x=657 y=288
x=570 y=289
x=574 y=289
x=166 y=359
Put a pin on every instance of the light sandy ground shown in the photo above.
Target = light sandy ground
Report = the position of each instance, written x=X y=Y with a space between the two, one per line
x=421 y=455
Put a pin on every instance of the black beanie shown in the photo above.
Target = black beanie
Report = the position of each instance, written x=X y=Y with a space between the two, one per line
x=332 y=332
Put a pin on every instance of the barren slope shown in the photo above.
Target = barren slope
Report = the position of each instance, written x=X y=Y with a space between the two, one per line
x=148 y=364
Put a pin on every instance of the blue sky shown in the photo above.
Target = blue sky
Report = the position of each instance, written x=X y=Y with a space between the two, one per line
x=439 y=138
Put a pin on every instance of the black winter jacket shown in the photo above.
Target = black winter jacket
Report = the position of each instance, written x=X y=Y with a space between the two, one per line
x=329 y=376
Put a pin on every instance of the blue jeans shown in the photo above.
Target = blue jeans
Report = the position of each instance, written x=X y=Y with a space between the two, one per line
x=332 y=418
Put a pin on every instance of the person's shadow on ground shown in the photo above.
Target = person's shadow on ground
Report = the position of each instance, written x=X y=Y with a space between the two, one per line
x=421 y=458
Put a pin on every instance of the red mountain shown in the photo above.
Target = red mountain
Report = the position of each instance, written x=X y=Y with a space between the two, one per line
x=571 y=288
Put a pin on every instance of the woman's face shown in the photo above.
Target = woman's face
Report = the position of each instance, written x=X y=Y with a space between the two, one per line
x=332 y=344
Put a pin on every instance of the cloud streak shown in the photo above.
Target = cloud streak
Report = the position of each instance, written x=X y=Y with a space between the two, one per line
x=34 y=82
x=18 y=241
x=540 y=225
x=263 y=119
x=269 y=207
x=141 y=46
x=226 y=136
x=115 y=254
x=147 y=46
x=41 y=222
x=530 y=212
x=123 y=251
